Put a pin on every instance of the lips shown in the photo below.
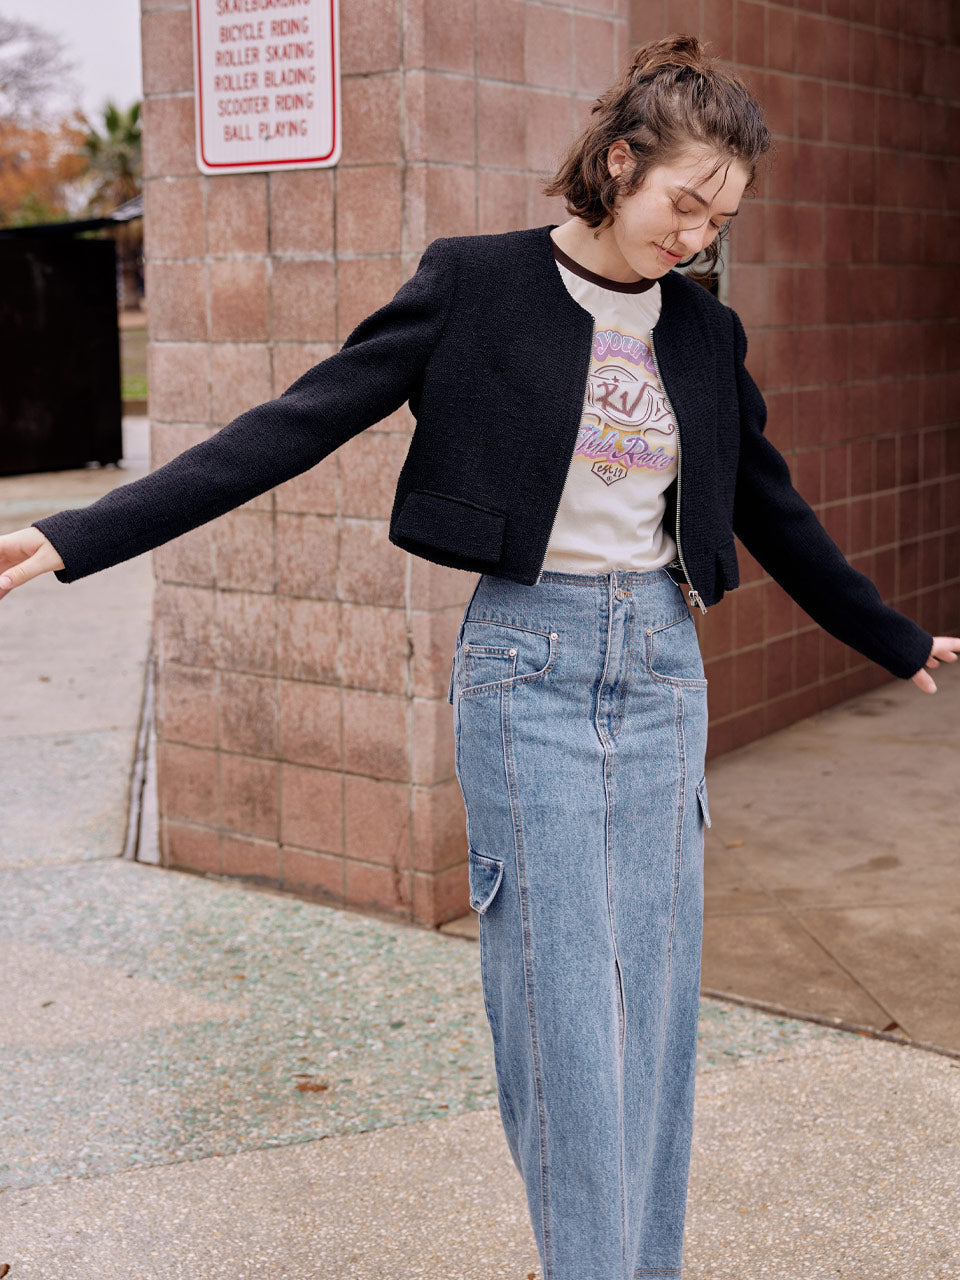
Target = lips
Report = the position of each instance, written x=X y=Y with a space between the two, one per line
x=674 y=257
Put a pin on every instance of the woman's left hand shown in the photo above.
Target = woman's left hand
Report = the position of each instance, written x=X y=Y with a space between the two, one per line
x=945 y=649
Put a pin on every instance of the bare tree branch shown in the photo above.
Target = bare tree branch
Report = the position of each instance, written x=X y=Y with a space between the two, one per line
x=34 y=72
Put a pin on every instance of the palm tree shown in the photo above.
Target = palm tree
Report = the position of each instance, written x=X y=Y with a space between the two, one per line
x=113 y=156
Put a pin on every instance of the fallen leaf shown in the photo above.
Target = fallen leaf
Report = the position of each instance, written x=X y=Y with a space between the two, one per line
x=734 y=844
x=311 y=1086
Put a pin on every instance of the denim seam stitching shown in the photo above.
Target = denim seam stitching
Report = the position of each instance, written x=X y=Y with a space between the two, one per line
x=675 y=622
x=512 y=663
x=607 y=747
x=511 y=626
x=548 y=1270
x=678 y=725
x=675 y=681
x=677 y=867
x=627 y=670
x=492 y=686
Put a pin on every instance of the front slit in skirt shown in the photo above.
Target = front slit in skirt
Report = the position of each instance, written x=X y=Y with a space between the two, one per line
x=580 y=711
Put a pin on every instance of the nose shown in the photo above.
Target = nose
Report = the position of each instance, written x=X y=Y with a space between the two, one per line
x=695 y=239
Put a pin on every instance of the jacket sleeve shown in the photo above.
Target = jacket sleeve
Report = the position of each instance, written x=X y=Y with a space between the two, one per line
x=372 y=374
x=782 y=532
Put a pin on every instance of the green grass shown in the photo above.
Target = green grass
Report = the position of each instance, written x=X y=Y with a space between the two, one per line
x=133 y=364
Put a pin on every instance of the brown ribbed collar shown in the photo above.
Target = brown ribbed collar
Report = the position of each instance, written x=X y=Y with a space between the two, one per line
x=618 y=286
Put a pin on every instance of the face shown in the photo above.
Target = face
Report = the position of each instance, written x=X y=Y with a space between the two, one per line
x=679 y=209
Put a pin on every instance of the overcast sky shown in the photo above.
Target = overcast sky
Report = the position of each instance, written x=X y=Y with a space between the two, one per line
x=101 y=38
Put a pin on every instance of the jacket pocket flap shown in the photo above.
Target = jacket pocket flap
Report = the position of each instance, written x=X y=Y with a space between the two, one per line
x=451 y=524
x=485 y=876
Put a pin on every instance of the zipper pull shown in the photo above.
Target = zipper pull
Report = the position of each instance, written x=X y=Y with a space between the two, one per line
x=695 y=599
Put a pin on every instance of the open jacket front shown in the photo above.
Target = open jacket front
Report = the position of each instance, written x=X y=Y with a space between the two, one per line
x=492 y=353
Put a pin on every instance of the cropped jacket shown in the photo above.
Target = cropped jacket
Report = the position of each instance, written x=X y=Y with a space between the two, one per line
x=492 y=353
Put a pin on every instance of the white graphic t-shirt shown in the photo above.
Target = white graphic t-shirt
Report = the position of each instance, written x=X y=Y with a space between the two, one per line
x=611 y=510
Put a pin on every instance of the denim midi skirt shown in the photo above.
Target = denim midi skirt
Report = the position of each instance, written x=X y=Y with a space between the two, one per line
x=580 y=713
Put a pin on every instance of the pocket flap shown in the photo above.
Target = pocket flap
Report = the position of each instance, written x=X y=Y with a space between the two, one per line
x=451 y=524
x=702 y=797
x=485 y=876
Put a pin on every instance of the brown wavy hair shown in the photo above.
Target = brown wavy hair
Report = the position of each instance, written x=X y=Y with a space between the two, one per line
x=670 y=95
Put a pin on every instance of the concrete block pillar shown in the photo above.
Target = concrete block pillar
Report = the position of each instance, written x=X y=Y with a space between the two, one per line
x=304 y=736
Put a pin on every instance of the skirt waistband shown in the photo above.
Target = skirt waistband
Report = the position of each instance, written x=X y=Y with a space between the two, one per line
x=616 y=577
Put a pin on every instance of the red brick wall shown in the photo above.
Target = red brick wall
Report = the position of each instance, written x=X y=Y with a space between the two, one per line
x=304 y=735
x=845 y=272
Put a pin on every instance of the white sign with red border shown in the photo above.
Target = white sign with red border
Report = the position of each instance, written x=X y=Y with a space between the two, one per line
x=267 y=84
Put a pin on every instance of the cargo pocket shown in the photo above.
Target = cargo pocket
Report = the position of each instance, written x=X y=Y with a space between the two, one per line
x=702 y=797
x=485 y=876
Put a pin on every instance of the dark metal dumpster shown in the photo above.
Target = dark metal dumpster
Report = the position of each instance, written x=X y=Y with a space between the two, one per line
x=60 y=405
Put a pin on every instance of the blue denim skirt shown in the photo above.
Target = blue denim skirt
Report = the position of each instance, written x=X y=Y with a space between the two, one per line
x=580 y=716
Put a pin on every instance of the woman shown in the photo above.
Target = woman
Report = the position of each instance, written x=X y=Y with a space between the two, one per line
x=554 y=374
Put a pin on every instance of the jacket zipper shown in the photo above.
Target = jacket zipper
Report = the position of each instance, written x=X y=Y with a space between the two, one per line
x=693 y=593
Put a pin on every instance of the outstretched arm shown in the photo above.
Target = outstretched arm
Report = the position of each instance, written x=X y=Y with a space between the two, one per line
x=779 y=528
x=373 y=373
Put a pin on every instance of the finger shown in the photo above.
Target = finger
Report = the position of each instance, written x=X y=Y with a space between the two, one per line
x=40 y=562
x=16 y=548
x=932 y=662
x=924 y=682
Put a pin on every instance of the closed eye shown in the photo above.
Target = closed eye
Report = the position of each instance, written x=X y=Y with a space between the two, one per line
x=686 y=213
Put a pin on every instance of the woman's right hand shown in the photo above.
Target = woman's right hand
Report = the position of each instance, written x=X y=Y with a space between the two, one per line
x=25 y=554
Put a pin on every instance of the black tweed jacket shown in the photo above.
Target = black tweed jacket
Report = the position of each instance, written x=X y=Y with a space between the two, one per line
x=492 y=353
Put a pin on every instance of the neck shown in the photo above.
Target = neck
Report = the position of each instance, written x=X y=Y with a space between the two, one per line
x=594 y=249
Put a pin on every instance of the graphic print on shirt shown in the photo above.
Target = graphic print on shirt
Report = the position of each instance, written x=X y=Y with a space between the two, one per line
x=626 y=423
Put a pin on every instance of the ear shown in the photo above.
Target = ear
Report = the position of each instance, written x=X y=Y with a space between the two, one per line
x=619 y=158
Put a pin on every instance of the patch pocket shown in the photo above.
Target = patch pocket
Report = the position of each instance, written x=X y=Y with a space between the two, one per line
x=673 y=653
x=495 y=654
x=702 y=797
x=485 y=876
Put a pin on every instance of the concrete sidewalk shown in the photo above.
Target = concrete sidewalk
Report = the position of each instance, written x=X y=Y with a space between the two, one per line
x=75 y=663
x=206 y=1080
x=833 y=865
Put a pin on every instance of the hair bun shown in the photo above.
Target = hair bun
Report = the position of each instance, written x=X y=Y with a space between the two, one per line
x=669 y=51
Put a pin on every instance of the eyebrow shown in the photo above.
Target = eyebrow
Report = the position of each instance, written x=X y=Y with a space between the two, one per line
x=700 y=200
